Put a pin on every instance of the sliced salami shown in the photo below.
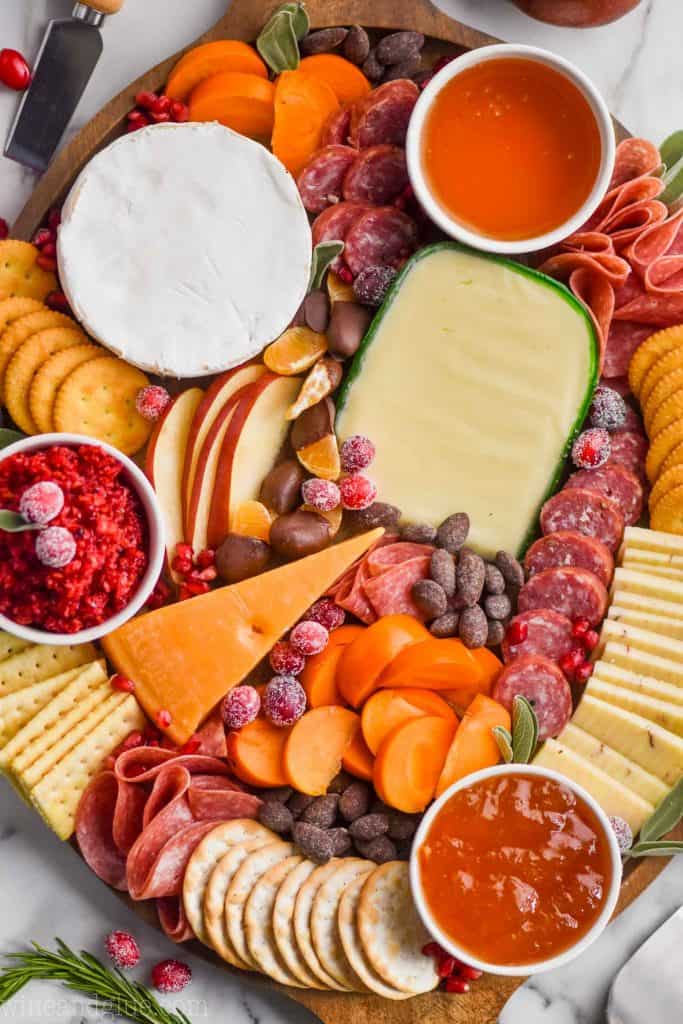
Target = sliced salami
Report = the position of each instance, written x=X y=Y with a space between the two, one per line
x=321 y=181
x=616 y=483
x=336 y=130
x=378 y=175
x=629 y=449
x=380 y=238
x=383 y=115
x=585 y=511
x=570 y=548
x=576 y=593
x=335 y=221
x=547 y=633
x=544 y=686
x=390 y=592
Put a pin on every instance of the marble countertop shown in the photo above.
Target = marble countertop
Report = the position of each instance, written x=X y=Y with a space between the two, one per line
x=44 y=888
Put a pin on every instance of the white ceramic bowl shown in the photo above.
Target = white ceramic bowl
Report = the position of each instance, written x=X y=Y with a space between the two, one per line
x=465 y=955
x=414 y=148
x=155 y=542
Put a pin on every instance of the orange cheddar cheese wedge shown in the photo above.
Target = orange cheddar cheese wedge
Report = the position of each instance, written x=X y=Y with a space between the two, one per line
x=185 y=657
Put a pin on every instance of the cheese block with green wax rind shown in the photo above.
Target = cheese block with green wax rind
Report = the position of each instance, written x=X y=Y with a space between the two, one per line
x=472 y=382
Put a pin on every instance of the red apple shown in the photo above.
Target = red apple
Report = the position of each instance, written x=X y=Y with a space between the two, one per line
x=577 y=13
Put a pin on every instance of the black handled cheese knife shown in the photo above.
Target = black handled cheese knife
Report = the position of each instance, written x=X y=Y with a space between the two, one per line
x=66 y=60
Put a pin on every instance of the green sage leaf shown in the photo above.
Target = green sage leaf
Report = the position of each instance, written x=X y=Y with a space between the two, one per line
x=8 y=436
x=12 y=522
x=664 y=848
x=300 y=18
x=673 y=183
x=671 y=150
x=504 y=741
x=278 y=44
x=665 y=816
x=524 y=730
x=323 y=256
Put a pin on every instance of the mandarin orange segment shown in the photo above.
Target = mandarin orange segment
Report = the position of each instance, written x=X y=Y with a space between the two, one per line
x=252 y=519
x=321 y=458
x=295 y=351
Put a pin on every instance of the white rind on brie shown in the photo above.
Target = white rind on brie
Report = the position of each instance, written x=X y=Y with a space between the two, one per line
x=184 y=248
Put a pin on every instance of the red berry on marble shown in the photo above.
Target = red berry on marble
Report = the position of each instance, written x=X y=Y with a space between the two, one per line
x=41 y=502
x=152 y=401
x=284 y=700
x=309 y=638
x=357 y=492
x=122 y=948
x=322 y=495
x=327 y=613
x=240 y=707
x=14 y=71
x=55 y=547
x=285 y=660
x=171 y=976
x=356 y=453
x=591 y=448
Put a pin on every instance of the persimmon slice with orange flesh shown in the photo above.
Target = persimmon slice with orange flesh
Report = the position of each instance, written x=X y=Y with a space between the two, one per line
x=386 y=709
x=433 y=665
x=474 y=746
x=255 y=753
x=210 y=59
x=319 y=675
x=410 y=760
x=366 y=658
x=315 y=747
x=303 y=103
x=347 y=82
x=358 y=760
x=242 y=102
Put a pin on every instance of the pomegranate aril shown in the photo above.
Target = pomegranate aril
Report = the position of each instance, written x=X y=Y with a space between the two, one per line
x=344 y=273
x=206 y=558
x=184 y=551
x=591 y=639
x=42 y=237
x=122 y=683
x=164 y=719
x=570 y=661
x=580 y=628
x=54 y=218
x=161 y=105
x=47 y=263
x=469 y=973
x=433 y=949
x=446 y=967
x=161 y=118
x=58 y=301
x=517 y=632
x=196 y=587
x=191 y=747
x=146 y=100
x=49 y=249
x=456 y=986
x=179 y=111
x=583 y=673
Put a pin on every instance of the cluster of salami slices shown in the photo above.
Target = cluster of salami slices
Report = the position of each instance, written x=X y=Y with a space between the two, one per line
x=626 y=262
x=382 y=582
x=357 y=180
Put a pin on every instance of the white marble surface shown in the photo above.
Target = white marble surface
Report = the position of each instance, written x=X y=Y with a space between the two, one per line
x=44 y=889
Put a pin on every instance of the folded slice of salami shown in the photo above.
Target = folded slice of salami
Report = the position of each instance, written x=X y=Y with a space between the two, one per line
x=390 y=592
x=617 y=483
x=321 y=182
x=570 y=548
x=173 y=919
x=547 y=633
x=543 y=684
x=336 y=129
x=576 y=593
x=585 y=511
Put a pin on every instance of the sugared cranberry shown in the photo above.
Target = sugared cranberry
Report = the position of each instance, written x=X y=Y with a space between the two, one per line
x=4 y=229
x=622 y=831
x=322 y=495
x=14 y=70
x=327 y=612
x=122 y=949
x=580 y=627
x=591 y=448
x=122 y=683
x=163 y=718
x=240 y=707
x=152 y=401
x=357 y=492
x=55 y=547
x=517 y=632
x=608 y=409
x=171 y=976
x=284 y=700
x=372 y=284
x=285 y=660
x=356 y=453
x=309 y=638
x=41 y=502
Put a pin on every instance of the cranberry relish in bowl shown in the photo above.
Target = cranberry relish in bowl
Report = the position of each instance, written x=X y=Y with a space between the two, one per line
x=94 y=549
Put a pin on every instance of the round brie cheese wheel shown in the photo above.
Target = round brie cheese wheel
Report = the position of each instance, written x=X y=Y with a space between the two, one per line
x=184 y=248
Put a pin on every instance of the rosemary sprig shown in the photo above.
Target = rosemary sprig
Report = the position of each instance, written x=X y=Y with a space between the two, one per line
x=109 y=989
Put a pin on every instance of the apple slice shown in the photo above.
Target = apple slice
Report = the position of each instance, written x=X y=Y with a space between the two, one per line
x=215 y=399
x=251 y=445
x=164 y=463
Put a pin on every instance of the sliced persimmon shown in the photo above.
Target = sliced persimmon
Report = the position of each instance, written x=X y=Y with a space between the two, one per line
x=240 y=101
x=303 y=103
x=474 y=746
x=386 y=709
x=255 y=753
x=434 y=665
x=210 y=59
x=347 y=81
x=410 y=760
x=358 y=760
x=365 y=659
x=319 y=675
x=315 y=747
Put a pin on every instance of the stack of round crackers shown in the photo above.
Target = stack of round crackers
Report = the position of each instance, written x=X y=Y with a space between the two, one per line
x=656 y=379
x=348 y=925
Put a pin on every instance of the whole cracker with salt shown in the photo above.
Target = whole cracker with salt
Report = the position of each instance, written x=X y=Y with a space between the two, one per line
x=302 y=923
x=98 y=399
x=21 y=329
x=204 y=859
x=324 y=928
x=24 y=365
x=239 y=890
x=283 y=925
x=391 y=932
x=50 y=377
x=40 y=661
x=350 y=940
x=216 y=891
x=20 y=275
x=17 y=709
x=57 y=795
x=258 y=923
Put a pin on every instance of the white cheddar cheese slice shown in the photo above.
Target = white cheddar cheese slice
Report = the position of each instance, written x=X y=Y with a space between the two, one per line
x=638 y=603
x=641 y=639
x=647 y=586
x=652 y=540
x=622 y=677
x=640 y=661
x=646 y=620
x=653 y=748
x=184 y=248
x=618 y=767
x=669 y=716
x=614 y=798
x=470 y=382
x=661 y=559
x=667 y=571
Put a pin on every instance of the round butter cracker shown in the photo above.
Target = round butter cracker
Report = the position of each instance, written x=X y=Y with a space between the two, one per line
x=391 y=932
x=239 y=891
x=660 y=448
x=13 y=309
x=674 y=458
x=647 y=354
x=214 y=899
x=302 y=922
x=258 y=923
x=348 y=934
x=665 y=482
x=25 y=363
x=20 y=330
x=324 y=922
x=668 y=384
x=98 y=399
x=50 y=377
x=667 y=515
x=670 y=411
x=20 y=275
x=283 y=925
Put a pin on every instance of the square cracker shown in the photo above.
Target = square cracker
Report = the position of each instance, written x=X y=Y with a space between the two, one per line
x=16 y=709
x=10 y=645
x=41 y=661
x=57 y=795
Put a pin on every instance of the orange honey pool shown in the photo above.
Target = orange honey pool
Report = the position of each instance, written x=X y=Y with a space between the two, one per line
x=511 y=148
x=515 y=869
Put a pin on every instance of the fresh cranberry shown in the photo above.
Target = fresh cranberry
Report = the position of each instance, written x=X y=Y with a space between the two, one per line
x=580 y=627
x=357 y=492
x=4 y=229
x=517 y=632
x=456 y=986
x=122 y=948
x=171 y=976
x=14 y=71
x=163 y=718
x=309 y=638
x=285 y=660
x=322 y=495
x=327 y=612
x=122 y=683
x=356 y=453
x=583 y=672
x=240 y=707
x=284 y=700
x=41 y=502
x=591 y=448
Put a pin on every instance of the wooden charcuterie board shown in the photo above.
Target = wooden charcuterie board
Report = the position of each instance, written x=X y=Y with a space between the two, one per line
x=445 y=36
